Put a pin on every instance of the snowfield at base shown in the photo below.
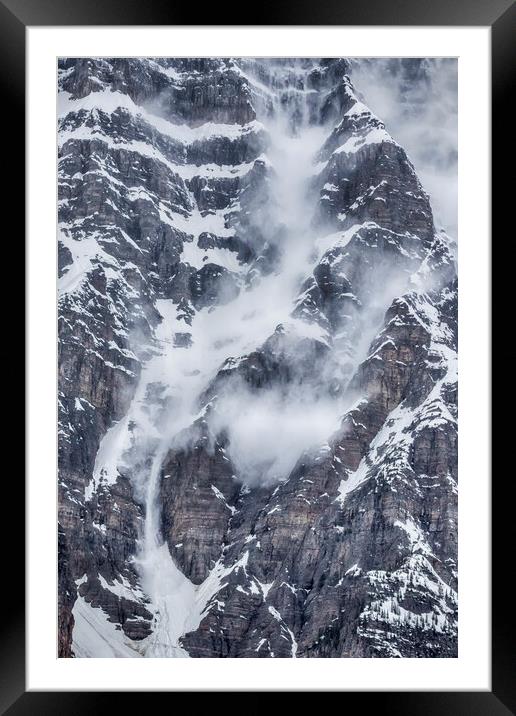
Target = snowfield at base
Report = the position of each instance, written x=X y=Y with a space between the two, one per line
x=94 y=636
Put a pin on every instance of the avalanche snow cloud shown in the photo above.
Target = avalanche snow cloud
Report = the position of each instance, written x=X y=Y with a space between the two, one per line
x=257 y=358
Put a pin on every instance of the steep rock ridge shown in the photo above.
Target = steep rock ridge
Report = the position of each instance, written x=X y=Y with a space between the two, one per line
x=129 y=192
x=372 y=515
x=179 y=226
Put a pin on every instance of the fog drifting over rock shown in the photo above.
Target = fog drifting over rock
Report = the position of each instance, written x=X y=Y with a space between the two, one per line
x=418 y=102
x=258 y=358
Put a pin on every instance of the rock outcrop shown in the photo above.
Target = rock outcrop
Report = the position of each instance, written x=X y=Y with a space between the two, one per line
x=202 y=284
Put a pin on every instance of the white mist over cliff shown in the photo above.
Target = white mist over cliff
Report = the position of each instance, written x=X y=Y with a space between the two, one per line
x=420 y=110
x=269 y=431
x=255 y=437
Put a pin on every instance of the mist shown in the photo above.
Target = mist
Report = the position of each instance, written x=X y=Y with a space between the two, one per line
x=269 y=432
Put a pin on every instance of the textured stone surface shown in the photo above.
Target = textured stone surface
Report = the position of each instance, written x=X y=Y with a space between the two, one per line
x=166 y=196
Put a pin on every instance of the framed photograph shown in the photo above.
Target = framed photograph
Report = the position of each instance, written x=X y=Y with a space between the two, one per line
x=258 y=359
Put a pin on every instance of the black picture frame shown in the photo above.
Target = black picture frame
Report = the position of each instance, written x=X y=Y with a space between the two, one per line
x=500 y=15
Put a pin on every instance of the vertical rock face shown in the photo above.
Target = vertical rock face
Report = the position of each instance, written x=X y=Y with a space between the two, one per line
x=257 y=368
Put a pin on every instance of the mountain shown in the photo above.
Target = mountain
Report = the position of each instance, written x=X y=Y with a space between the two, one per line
x=257 y=368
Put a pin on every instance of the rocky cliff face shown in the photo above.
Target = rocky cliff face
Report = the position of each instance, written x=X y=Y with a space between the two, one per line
x=257 y=369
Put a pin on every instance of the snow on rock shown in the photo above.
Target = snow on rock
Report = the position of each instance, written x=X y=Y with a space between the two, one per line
x=248 y=265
